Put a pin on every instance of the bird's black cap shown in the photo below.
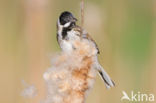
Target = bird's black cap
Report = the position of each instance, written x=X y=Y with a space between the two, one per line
x=66 y=17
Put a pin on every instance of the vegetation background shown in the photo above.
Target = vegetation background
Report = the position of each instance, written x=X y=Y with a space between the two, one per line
x=125 y=31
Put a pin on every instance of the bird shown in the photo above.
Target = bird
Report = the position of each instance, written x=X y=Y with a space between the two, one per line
x=68 y=31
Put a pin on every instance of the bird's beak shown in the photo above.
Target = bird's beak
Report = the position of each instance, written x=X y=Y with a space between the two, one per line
x=74 y=20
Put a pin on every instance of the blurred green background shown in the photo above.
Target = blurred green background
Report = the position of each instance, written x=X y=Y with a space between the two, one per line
x=125 y=31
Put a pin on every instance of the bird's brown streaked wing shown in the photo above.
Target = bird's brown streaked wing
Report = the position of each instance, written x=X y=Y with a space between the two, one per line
x=85 y=35
x=78 y=29
x=90 y=38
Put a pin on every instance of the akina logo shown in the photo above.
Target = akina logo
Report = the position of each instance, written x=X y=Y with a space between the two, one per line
x=137 y=97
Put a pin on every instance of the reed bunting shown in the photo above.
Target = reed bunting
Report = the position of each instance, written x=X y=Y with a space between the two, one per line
x=68 y=32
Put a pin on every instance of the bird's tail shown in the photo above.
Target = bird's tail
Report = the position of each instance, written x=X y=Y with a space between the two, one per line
x=103 y=74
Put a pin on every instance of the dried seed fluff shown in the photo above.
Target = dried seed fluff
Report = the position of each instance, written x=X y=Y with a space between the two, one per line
x=71 y=75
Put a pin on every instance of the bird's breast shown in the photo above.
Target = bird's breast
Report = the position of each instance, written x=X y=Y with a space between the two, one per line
x=66 y=46
x=73 y=35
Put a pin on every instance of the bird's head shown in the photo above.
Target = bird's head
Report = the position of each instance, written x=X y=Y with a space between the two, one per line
x=66 y=19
